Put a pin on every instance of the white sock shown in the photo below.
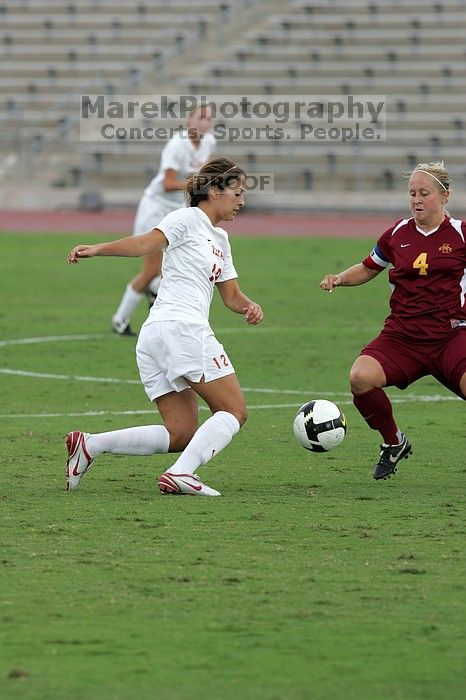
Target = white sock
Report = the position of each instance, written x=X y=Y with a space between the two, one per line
x=154 y=284
x=211 y=437
x=129 y=301
x=142 y=440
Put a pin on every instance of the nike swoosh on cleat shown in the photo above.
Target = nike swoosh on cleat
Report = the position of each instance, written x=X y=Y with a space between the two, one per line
x=191 y=486
x=75 y=470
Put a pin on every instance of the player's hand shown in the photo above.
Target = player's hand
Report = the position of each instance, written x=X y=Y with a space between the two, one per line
x=81 y=251
x=253 y=313
x=330 y=282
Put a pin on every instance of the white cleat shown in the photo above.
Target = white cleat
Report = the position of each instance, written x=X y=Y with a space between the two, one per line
x=79 y=461
x=184 y=484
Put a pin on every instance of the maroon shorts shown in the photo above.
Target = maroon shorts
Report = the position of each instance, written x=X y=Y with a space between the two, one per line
x=403 y=361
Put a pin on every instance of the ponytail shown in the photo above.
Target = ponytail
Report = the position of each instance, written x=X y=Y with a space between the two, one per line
x=217 y=172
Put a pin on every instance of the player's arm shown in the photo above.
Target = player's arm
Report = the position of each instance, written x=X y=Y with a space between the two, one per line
x=354 y=275
x=171 y=182
x=234 y=299
x=132 y=246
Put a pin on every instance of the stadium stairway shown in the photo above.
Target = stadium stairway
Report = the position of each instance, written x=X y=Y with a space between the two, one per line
x=408 y=54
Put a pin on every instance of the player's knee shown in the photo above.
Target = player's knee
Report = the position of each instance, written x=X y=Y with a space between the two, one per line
x=146 y=278
x=180 y=437
x=366 y=374
x=241 y=415
x=239 y=411
x=360 y=380
x=463 y=385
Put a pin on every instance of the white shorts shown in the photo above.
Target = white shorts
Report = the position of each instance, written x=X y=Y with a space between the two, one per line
x=149 y=213
x=170 y=352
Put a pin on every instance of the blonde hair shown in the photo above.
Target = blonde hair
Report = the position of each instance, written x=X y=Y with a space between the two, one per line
x=218 y=171
x=437 y=171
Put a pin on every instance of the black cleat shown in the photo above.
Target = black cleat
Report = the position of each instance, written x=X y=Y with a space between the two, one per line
x=150 y=298
x=121 y=327
x=390 y=455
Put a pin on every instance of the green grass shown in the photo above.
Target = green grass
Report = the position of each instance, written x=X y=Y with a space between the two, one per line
x=307 y=579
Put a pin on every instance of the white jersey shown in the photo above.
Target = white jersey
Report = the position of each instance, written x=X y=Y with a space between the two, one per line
x=197 y=256
x=182 y=155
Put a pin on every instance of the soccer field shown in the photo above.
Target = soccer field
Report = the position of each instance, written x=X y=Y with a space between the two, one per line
x=305 y=580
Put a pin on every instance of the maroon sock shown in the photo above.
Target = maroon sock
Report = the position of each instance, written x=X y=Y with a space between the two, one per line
x=376 y=409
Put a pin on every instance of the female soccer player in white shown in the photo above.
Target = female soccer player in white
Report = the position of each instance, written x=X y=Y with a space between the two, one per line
x=177 y=353
x=183 y=155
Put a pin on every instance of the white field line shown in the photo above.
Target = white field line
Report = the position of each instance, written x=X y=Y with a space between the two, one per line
x=115 y=380
x=114 y=338
x=141 y=412
x=246 y=389
x=66 y=377
x=55 y=339
x=407 y=398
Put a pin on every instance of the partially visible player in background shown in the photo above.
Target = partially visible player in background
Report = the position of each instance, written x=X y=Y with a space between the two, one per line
x=425 y=333
x=183 y=155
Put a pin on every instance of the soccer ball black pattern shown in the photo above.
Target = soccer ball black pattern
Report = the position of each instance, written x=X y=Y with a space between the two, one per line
x=319 y=426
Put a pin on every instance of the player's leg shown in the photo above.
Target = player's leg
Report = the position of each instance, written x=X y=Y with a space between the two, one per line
x=179 y=412
x=83 y=448
x=149 y=275
x=147 y=216
x=152 y=287
x=180 y=415
x=449 y=364
x=368 y=376
x=225 y=399
x=143 y=440
x=194 y=357
x=148 y=280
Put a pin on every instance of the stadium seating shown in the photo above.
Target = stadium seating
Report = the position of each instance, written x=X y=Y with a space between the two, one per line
x=410 y=51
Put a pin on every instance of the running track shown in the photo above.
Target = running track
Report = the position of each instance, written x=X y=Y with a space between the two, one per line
x=275 y=224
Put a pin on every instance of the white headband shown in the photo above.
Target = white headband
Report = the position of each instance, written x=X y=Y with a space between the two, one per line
x=418 y=170
x=234 y=167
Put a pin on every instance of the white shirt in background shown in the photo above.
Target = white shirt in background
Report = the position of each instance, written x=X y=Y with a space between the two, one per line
x=181 y=155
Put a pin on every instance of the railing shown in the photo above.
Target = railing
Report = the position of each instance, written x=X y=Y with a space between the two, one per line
x=25 y=152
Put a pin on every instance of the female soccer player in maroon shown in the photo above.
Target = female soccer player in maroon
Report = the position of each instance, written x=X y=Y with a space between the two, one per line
x=425 y=333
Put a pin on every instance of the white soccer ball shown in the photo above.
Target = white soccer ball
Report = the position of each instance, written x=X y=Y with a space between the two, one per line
x=319 y=426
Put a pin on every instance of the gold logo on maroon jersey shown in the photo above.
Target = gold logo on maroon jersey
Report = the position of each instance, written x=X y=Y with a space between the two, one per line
x=446 y=248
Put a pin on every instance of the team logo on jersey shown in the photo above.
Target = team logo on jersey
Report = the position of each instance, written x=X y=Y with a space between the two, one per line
x=218 y=253
x=446 y=248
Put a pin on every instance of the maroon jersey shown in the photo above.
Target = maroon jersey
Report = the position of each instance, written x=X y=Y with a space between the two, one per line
x=428 y=278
